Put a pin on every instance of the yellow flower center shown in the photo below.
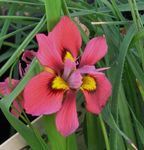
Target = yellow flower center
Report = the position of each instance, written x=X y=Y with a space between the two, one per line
x=69 y=56
x=88 y=83
x=59 y=84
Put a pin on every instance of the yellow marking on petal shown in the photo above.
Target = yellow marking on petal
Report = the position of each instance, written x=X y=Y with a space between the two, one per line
x=49 y=70
x=88 y=83
x=59 y=84
x=69 y=56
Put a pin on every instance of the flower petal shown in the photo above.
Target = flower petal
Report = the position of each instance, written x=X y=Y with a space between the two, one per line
x=87 y=69
x=75 y=80
x=47 y=53
x=94 y=51
x=69 y=67
x=17 y=107
x=67 y=119
x=39 y=98
x=102 y=69
x=6 y=87
x=21 y=69
x=95 y=100
x=28 y=56
x=67 y=36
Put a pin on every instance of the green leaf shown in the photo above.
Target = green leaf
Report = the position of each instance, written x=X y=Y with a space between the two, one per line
x=17 y=31
x=27 y=133
x=139 y=127
x=120 y=66
x=125 y=117
x=57 y=141
x=7 y=23
x=53 y=12
x=19 y=17
x=94 y=134
x=21 y=48
x=135 y=66
x=22 y=2
x=32 y=138
x=71 y=143
x=108 y=117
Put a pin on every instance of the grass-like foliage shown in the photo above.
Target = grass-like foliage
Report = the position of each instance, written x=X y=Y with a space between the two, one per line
x=120 y=126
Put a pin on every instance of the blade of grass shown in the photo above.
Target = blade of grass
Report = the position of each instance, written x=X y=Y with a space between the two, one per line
x=57 y=141
x=138 y=24
x=138 y=36
x=20 y=49
x=117 y=11
x=118 y=75
x=95 y=135
x=108 y=117
x=125 y=117
x=71 y=143
x=139 y=127
x=53 y=12
x=135 y=66
x=6 y=23
x=17 y=31
x=119 y=67
x=65 y=8
x=104 y=132
x=22 y=2
x=20 y=17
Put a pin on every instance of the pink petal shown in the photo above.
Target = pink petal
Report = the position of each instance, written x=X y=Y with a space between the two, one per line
x=47 y=53
x=94 y=51
x=28 y=56
x=67 y=36
x=96 y=100
x=102 y=69
x=21 y=70
x=75 y=80
x=67 y=119
x=87 y=69
x=69 y=67
x=17 y=107
x=39 y=98
x=14 y=83
x=5 y=87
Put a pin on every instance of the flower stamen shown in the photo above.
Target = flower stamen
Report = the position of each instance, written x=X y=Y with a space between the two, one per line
x=69 y=56
x=59 y=84
x=88 y=83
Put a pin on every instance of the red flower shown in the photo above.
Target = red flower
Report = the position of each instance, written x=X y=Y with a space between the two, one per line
x=54 y=90
x=5 y=89
x=27 y=57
